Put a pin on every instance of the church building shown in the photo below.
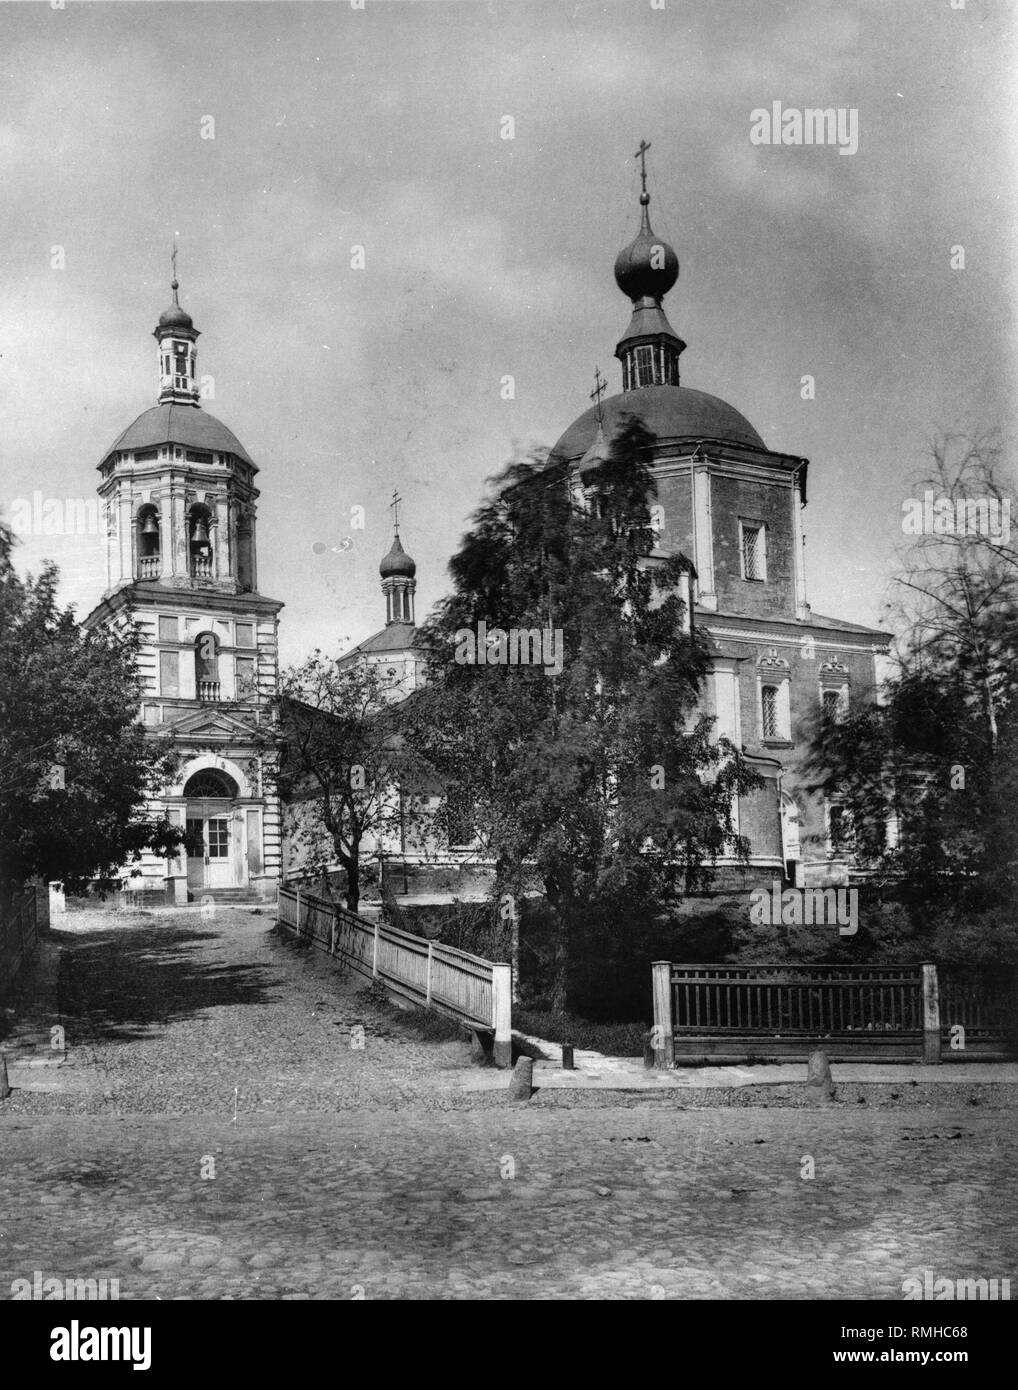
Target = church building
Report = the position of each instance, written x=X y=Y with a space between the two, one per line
x=735 y=508
x=732 y=509
x=179 y=496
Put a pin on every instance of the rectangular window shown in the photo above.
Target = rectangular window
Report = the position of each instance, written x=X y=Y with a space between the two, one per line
x=168 y=629
x=245 y=669
x=769 y=710
x=245 y=635
x=219 y=838
x=753 y=545
x=645 y=366
x=169 y=673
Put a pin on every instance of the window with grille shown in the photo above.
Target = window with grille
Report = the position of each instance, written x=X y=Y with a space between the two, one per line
x=754 y=557
x=219 y=838
x=832 y=704
x=645 y=366
x=769 y=710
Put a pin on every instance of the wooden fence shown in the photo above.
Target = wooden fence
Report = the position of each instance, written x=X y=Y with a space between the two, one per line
x=439 y=977
x=857 y=1012
x=19 y=932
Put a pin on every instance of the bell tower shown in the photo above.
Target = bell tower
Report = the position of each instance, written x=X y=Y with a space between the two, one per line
x=180 y=505
x=178 y=486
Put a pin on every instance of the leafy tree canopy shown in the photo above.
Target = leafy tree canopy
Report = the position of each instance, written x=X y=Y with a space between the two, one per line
x=76 y=767
x=603 y=777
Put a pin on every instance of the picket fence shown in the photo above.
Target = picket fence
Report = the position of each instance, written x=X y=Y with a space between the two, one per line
x=465 y=987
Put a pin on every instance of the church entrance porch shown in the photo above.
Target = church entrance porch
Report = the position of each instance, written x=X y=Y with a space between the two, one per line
x=216 y=858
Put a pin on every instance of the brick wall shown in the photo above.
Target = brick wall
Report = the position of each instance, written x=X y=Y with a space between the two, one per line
x=733 y=499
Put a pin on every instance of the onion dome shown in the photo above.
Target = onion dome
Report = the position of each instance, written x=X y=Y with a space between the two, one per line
x=596 y=455
x=175 y=316
x=397 y=564
x=648 y=267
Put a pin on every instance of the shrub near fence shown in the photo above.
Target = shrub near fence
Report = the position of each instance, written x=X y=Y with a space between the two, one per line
x=439 y=977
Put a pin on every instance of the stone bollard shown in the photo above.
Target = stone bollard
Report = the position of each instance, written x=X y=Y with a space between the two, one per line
x=819 y=1083
x=568 y=1060
x=5 y=1089
x=521 y=1083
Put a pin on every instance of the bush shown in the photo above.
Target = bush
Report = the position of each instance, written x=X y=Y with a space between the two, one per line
x=613 y=1039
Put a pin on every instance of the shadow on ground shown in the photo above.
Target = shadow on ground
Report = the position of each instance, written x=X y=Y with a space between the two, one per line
x=119 y=985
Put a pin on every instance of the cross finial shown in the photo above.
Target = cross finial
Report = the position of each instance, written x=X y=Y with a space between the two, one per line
x=394 y=508
x=173 y=262
x=641 y=155
x=600 y=387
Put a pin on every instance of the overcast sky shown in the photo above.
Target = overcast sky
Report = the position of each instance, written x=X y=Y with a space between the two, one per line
x=487 y=257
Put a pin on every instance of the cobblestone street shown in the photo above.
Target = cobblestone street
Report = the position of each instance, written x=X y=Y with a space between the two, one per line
x=214 y=1133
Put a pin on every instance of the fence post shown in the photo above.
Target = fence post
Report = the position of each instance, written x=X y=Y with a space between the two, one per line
x=664 y=1036
x=296 y=889
x=431 y=954
x=374 y=953
x=931 y=1014
x=501 y=1010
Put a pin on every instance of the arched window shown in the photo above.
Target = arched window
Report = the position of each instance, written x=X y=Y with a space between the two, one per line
x=245 y=553
x=199 y=542
x=208 y=784
x=206 y=666
x=769 y=710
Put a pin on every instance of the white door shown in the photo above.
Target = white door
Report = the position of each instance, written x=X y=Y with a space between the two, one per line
x=214 y=866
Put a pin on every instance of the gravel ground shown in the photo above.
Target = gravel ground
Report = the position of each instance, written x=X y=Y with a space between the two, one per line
x=217 y=1133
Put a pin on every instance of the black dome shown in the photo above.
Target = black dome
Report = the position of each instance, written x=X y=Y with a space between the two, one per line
x=669 y=412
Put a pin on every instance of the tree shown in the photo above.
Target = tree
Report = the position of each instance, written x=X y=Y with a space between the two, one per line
x=76 y=766
x=600 y=779
x=342 y=758
x=936 y=759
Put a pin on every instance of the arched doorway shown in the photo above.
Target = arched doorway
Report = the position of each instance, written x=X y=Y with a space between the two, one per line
x=214 y=860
